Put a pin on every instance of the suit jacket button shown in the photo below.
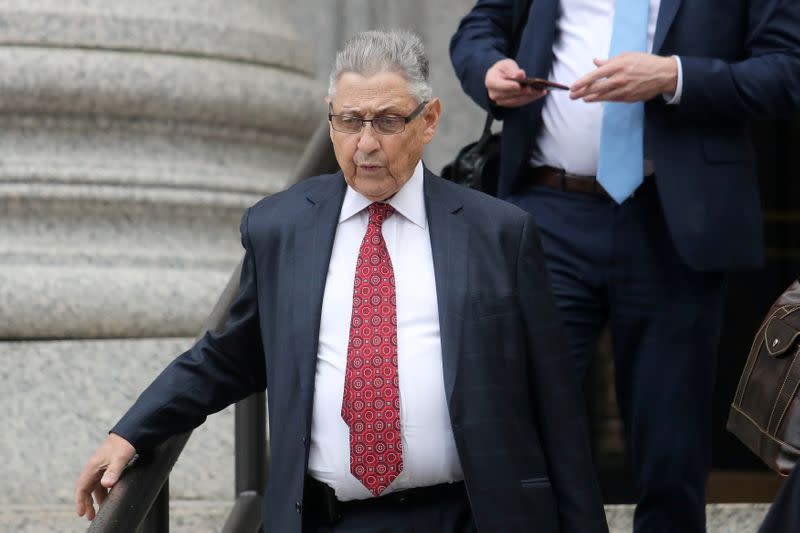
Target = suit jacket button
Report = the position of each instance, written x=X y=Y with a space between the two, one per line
x=304 y=441
x=299 y=507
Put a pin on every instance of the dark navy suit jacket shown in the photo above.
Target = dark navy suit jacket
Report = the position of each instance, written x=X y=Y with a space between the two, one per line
x=514 y=402
x=741 y=59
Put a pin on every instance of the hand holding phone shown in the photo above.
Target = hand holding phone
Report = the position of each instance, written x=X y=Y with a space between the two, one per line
x=541 y=84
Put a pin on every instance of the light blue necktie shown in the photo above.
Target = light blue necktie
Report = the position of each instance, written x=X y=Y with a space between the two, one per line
x=620 y=166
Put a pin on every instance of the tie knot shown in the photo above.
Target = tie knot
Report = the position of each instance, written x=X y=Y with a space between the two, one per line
x=378 y=212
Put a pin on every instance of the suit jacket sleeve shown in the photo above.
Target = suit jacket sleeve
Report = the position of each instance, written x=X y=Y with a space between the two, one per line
x=221 y=368
x=765 y=82
x=483 y=38
x=556 y=395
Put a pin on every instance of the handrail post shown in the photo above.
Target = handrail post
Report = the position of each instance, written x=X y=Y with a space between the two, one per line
x=157 y=519
x=251 y=444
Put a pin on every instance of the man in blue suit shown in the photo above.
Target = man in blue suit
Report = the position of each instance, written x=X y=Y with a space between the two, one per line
x=406 y=335
x=643 y=202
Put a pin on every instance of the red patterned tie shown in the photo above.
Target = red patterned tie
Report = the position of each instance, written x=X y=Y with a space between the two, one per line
x=371 y=405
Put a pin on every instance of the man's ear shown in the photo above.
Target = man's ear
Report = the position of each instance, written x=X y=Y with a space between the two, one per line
x=431 y=117
x=327 y=100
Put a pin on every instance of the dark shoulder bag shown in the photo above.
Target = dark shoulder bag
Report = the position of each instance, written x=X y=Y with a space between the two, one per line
x=477 y=165
x=765 y=413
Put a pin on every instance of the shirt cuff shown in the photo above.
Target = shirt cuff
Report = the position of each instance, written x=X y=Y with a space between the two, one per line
x=675 y=99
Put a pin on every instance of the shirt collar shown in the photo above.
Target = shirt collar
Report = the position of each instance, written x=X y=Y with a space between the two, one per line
x=409 y=201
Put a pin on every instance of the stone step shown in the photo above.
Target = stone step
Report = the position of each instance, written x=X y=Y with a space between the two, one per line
x=209 y=517
x=184 y=517
x=720 y=517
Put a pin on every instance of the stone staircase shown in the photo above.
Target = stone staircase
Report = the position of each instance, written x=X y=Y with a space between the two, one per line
x=208 y=516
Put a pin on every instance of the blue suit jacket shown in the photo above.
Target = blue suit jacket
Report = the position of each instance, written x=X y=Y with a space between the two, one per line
x=514 y=401
x=741 y=59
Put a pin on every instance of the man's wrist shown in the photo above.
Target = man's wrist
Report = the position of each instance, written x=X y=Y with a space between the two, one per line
x=674 y=81
x=671 y=75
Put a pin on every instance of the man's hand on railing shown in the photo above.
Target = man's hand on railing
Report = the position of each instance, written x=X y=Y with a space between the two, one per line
x=101 y=472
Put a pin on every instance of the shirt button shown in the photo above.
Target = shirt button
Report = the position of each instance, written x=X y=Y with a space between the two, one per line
x=298 y=507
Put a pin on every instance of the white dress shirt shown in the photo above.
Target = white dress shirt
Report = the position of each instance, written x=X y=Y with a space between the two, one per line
x=570 y=134
x=429 y=450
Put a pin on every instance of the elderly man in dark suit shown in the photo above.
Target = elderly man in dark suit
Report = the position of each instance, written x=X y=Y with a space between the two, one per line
x=404 y=329
x=643 y=202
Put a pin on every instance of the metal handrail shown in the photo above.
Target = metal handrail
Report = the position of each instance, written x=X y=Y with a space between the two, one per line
x=245 y=517
x=130 y=503
x=140 y=499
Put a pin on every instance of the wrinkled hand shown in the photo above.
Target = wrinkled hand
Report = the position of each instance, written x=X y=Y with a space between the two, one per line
x=628 y=77
x=505 y=92
x=101 y=472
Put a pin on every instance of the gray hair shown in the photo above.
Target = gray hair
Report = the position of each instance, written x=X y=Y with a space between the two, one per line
x=371 y=52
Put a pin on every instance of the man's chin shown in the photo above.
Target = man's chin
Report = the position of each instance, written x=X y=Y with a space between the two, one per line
x=377 y=194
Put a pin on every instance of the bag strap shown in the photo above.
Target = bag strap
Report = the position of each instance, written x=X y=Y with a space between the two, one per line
x=518 y=26
x=487 y=129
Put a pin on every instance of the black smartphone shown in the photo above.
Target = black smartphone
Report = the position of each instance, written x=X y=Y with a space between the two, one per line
x=542 y=84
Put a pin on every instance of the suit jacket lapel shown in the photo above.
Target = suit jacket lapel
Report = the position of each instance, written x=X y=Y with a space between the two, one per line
x=535 y=52
x=449 y=244
x=313 y=243
x=666 y=14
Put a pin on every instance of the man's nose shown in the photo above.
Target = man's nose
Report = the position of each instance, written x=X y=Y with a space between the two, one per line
x=369 y=139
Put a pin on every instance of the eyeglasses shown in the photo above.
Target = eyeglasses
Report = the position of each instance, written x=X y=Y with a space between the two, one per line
x=388 y=125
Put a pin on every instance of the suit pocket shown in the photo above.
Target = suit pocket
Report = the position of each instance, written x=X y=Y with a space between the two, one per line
x=540 y=502
x=535 y=482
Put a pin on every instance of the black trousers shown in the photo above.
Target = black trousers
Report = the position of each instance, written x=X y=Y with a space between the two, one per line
x=448 y=514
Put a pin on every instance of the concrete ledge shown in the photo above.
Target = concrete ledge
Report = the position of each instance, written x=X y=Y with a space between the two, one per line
x=159 y=87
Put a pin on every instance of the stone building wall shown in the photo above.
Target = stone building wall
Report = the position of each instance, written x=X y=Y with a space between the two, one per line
x=132 y=135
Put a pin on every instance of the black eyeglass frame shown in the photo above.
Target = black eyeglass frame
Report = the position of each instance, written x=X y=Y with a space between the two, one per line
x=406 y=119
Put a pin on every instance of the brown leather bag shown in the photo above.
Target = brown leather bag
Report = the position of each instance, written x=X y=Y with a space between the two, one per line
x=765 y=413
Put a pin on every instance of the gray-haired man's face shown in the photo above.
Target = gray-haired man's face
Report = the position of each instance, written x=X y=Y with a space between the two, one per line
x=373 y=164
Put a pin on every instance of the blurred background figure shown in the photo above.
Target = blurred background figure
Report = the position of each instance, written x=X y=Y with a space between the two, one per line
x=645 y=201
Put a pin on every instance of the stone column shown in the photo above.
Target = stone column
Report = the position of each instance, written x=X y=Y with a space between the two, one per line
x=132 y=135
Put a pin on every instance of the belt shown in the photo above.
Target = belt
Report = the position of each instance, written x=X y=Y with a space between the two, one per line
x=556 y=178
x=320 y=503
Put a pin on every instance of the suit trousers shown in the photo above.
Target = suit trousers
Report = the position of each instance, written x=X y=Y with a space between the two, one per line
x=616 y=264
x=784 y=514
x=450 y=514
